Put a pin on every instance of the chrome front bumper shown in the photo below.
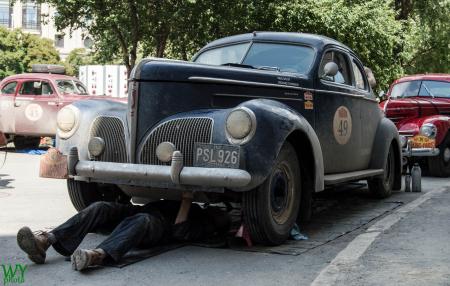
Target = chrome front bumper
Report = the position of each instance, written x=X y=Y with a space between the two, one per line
x=420 y=152
x=176 y=173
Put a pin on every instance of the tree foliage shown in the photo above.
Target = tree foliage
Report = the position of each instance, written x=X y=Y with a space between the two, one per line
x=19 y=51
x=392 y=37
x=75 y=59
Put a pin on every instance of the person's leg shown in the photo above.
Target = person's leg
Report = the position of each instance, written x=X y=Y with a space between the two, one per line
x=98 y=215
x=140 y=230
x=66 y=238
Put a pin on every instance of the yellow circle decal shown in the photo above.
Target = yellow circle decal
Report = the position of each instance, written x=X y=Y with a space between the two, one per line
x=342 y=125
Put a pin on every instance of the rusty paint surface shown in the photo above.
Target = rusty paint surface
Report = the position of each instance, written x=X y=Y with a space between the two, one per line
x=53 y=165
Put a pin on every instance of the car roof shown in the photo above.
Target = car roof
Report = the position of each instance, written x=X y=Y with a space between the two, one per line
x=39 y=76
x=430 y=76
x=314 y=40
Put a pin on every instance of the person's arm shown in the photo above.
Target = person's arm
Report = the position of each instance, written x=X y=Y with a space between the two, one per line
x=185 y=206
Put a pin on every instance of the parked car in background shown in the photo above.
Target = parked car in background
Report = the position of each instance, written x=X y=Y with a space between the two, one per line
x=29 y=103
x=420 y=107
x=263 y=119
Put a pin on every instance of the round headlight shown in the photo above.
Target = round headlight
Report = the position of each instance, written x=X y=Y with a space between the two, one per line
x=240 y=125
x=67 y=121
x=428 y=130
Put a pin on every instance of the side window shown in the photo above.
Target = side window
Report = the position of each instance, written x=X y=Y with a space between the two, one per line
x=359 y=76
x=343 y=75
x=36 y=87
x=9 y=88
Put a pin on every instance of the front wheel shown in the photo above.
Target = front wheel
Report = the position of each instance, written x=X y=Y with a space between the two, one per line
x=439 y=166
x=381 y=187
x=271 y=210
x=82 y=194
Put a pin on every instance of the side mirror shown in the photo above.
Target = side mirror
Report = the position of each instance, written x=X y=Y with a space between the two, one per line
x=382 y=96
x=330 y=69
x=37 y=84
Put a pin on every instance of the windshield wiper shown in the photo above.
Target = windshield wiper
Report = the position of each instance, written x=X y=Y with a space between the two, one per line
x=238 y=65
x=267 y=68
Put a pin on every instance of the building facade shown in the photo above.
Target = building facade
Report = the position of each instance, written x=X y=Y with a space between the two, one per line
x=29 y=16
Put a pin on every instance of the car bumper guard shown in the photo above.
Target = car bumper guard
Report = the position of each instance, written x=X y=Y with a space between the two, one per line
x=176 y=173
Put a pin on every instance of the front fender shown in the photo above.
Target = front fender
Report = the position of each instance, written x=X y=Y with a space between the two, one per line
x=387 y=134
x=89 y=110
x=275 y=122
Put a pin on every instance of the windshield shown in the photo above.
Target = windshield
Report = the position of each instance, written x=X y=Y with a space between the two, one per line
x=281 y=57
x=430 y=88
x=71 y=87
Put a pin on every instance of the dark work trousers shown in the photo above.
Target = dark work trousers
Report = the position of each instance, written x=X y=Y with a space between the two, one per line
x=131 y=228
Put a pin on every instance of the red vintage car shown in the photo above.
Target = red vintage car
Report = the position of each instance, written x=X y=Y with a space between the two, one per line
x=420 y=107
x=30 y=102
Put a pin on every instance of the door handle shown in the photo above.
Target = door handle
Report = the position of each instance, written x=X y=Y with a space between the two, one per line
x=17 y=104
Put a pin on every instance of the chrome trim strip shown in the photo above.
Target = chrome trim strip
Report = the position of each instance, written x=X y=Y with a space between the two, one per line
x=273 y=85
x=256 y=96
x=243 y=82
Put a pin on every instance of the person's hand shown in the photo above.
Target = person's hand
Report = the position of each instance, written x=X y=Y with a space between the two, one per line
x=187 y=195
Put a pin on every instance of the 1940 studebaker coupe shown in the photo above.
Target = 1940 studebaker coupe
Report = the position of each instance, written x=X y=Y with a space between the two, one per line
x=264 y=119
x=420 y=107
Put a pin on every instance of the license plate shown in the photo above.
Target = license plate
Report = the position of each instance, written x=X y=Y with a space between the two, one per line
x=216 y=155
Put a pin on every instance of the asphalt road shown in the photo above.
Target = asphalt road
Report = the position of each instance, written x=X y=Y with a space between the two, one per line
x=406 y=244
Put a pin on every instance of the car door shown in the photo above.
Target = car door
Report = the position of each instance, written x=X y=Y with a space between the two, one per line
x=370 y=111
x=7 y=93
x=36 y=106
x=338 y=118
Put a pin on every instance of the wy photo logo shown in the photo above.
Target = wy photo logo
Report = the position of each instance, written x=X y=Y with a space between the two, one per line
x=13 y=274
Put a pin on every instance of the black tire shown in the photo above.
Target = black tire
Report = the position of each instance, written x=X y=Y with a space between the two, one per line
x=82 y=194
x=270 y=211
x=381 y=187
x=22 y=142
x=439 y=166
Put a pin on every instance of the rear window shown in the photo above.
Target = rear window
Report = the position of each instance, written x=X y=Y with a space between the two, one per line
x=9 y=88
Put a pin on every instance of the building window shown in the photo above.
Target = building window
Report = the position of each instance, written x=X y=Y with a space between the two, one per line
x=5 y=13
x=59 y=41
x=31 y=16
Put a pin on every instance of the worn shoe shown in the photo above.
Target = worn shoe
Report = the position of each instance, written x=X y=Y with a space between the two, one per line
x=83 y=258
x=34 y=244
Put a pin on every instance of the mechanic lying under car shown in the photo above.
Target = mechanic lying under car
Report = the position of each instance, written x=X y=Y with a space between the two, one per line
x=132 y=226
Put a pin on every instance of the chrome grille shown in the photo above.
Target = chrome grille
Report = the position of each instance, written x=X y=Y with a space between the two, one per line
x=111 y=130
x=183 y=133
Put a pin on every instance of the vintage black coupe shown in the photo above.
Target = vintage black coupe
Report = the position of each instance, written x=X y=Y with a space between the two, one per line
x=262 y=119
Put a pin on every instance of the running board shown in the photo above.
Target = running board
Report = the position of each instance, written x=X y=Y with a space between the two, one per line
x=334 y=179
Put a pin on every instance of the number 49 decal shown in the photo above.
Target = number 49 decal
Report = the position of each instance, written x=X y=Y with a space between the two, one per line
x=342 y=125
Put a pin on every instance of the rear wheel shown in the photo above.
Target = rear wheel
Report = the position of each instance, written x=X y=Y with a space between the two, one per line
x=22 y=142
x=82 y=194
x=439 y=166
x=271 y=210
x=381 y=187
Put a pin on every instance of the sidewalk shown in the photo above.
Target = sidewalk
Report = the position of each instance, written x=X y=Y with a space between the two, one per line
x=414 y=251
